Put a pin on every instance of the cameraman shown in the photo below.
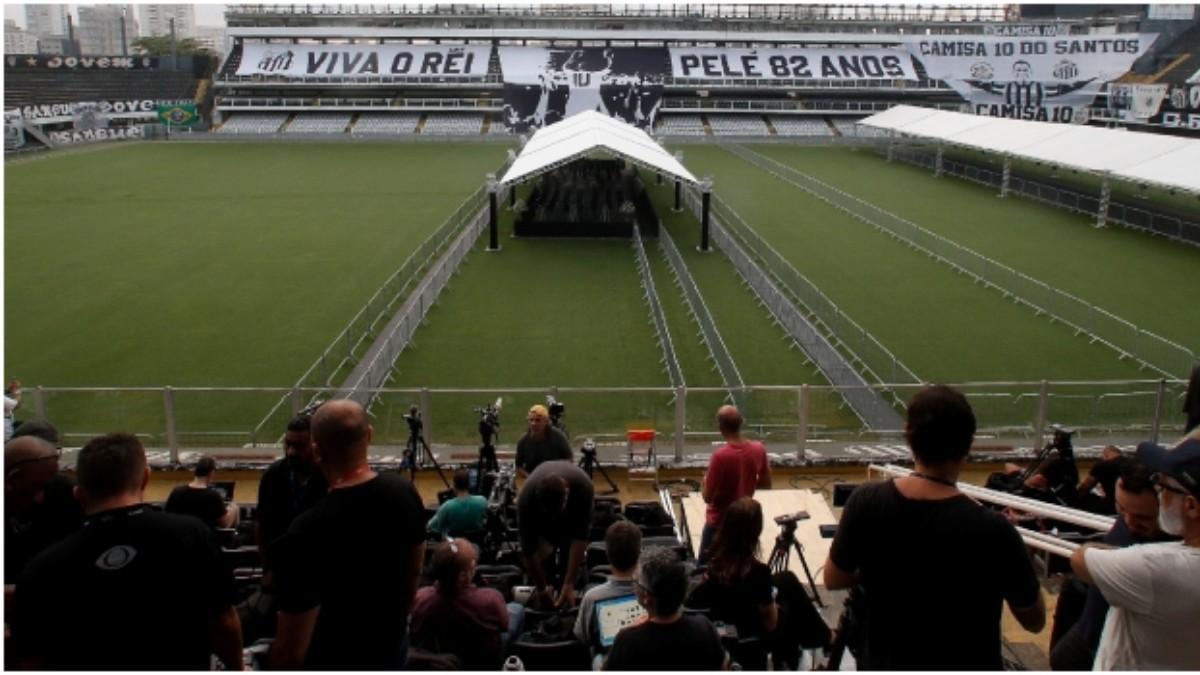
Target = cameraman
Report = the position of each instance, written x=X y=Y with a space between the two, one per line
x=554 y=510
x=933 y=563
x=542 y=443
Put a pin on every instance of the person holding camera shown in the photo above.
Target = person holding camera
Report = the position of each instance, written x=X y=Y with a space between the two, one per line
x=554 y=511
x=542 y=443
x=935 y=566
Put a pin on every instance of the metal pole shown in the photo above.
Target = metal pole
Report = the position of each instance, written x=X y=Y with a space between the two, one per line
x=169 y=416
x=937 y=163
x=802 y=405
x=706 y=202
x=174 y=46
x=296 y=402
x=39 y=402
x=680 y=421
x=493 y=216
x=427 y=414
x=1005 y=176
x=1043 y=408
x=678 y=196
x=124 y=46
x=1105 y=196
x=1160 y=397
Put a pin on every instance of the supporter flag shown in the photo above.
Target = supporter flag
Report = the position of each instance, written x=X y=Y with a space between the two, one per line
x=182 y=114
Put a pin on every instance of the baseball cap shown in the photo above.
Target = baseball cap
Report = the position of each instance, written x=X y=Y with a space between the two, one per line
x=1181 y=462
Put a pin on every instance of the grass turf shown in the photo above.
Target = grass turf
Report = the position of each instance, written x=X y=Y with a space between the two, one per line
x=224 y=264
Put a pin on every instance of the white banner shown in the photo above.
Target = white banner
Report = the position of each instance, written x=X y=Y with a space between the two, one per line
x=93 y=135
x=364 y=60
x=1035 y=78
x=789 y=64
x=1146 y=99
x=126 y=108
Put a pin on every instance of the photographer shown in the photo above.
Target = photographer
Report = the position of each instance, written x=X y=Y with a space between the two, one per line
x=933 y=563
x=542 y=443
x=554 y=510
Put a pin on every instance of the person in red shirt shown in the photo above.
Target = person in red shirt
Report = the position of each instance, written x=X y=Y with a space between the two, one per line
x=735 y=470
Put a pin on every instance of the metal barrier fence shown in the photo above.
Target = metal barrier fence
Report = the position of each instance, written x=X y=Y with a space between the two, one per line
x=698 y=310
x=788 y=418
x=657 y=318
x=338 y=358
x=1150 y=350
x=873 y=360
x=1162 y=224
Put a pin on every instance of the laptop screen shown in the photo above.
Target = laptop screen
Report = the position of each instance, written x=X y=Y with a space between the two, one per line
x=614 y=614
x=224 y=488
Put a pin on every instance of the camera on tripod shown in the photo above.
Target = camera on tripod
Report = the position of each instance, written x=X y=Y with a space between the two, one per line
x=589 y=447
x=489 y=419
x=557 y=410
x=789 y=520
x=413 y=417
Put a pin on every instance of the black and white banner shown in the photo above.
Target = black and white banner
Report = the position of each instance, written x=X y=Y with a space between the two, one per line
x=64 y=111
x=1180 y=108
x=543 y=86
x=1049 y=79
x=802 y=63
x=302 y=61
x=94 y=135
x=54 y=62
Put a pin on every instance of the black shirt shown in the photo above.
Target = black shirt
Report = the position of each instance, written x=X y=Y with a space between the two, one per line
x=935 y=575
x=282 y=497
x=737 y=603
x=54 y=519
x=691 y=643
x=561 y=528
x=351 y=556
x=135 y=589
x=531 y=452
x=202 y=503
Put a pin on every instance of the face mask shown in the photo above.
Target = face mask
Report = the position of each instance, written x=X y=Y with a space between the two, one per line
x=1171 y=520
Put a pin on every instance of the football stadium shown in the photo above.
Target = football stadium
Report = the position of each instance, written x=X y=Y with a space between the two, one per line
x=732 y=261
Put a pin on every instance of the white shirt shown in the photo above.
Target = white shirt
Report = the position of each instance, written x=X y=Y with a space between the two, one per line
x=1154 y=593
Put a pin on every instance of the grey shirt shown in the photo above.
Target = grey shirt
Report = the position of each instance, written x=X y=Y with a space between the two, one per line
x=585 y=623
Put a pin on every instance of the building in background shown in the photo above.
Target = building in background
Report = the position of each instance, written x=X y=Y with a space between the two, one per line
x=156 y=20
x=18 y=41
x=45 y=21
x=212 y=38
x=100 y=32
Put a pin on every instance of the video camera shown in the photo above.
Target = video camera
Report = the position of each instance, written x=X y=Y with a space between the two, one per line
x=489 y=419
x=791 y=518
x=413 y=417
x=557 y=410
x=589 y=447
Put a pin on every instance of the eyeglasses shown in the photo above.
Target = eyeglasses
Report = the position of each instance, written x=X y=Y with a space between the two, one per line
x=1159 y=486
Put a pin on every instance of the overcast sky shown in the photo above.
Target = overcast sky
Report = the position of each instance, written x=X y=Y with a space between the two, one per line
x=207 y=14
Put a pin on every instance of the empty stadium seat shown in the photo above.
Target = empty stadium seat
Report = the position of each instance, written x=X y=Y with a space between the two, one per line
x=253 y=123
x=385 y=124
x=453 y=124
x=320 y=123
x=681 y=125
x=852 y=128
x=800 y=126
x=737 y=125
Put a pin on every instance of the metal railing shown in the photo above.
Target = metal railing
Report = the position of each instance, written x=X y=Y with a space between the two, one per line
x=657 y=318
x=370 y=104
x=919 y=86
x=1128 y=340
x=802 y=418
x=698 y=310
x=364 y=81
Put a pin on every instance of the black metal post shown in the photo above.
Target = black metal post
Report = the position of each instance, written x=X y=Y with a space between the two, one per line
x=658 y=179
x=512 y=196
x=124 y=46
x=706 y=197
x=678 y=196
x=493 y=222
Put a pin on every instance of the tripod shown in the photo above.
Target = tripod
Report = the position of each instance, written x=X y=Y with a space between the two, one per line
x=417 y=452
x=590 y=464
x=487 y=449
x=781 y=554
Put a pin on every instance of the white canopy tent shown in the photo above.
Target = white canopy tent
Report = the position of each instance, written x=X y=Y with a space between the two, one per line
x=585 y=133
x=1166 y=161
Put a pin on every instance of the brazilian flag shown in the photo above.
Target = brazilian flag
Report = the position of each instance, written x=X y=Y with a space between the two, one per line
x=180 y=115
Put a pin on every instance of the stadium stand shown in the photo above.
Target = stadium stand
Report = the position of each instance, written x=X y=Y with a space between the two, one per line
x=851 y=127
x=319 y=123
x=812 y=127
x=682 y=125
x=24 y=87
x=385 y=124
x=738 y=125
x=254 y=123
x=453 y=124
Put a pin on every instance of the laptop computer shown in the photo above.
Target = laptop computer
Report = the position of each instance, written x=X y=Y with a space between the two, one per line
x=224 y=488
x=614 y=614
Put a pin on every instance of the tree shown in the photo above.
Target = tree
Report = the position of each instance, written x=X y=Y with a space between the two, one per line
x=161 y=46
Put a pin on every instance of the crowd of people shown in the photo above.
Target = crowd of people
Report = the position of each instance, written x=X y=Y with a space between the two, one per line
x=97 y=578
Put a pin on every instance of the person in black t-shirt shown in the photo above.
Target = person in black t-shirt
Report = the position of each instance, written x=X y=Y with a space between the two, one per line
x=290 y=486
x=554 y=511
x=135 y=589
x=198 y=499
x=935 y=566
x=542 y=443
x=346 y=571
x=1105 y=474
x=39 y=502
x=668 y=639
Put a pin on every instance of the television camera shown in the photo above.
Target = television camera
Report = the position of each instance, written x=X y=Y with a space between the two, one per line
x=557 y=410
x=589 y=463
x=489 y=430
x=499 y=523
x=416 y=450
x=1061 y=475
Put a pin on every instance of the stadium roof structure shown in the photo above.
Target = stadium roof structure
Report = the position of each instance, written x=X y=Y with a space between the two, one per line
x=1166 y=161
x=584 y=133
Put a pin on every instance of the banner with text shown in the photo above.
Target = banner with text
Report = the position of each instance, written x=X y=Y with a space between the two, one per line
x=352 y=61
x=55 y=62
x=63 y=111
x=1049 y=79
x=94 y=135
x=779 y=64
x=1180 y=108
x=543 y=86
